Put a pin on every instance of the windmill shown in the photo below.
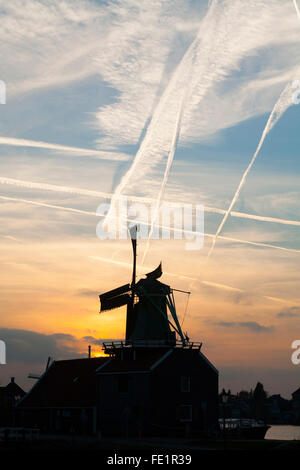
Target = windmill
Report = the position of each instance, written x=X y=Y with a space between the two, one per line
x=151 y=312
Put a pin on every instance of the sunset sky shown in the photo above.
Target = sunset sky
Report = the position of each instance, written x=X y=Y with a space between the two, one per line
x=91 y=87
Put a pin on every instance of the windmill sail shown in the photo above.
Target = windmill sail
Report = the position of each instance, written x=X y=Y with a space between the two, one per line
x=115 y=298
x=156 y=273
x=115 y=302
x=133 y=236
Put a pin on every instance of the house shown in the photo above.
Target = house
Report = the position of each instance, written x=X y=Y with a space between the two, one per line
x=278 y=409
x=9 y=397
x=156 y=381
x=64 y=398
x=157 y=390
x=136 y=390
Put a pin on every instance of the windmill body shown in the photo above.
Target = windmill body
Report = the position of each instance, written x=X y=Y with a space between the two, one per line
x=151 y=318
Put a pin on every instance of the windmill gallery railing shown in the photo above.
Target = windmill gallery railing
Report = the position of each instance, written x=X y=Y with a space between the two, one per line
x=114 y=345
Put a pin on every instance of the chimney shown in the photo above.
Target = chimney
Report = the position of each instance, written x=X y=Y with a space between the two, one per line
x=12 y=380
x=89 y=351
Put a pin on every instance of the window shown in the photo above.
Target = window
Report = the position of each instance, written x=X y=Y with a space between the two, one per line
x=123 y=384
x=185 y=413
x=185 y=383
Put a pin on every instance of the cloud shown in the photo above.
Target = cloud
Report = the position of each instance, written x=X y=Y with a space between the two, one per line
x=88 y=293
x=32 y=347
x=40 y=41
x=290 y=312
x=230 y=33
x=249 y=325
x=100 y=341
x=134 y=48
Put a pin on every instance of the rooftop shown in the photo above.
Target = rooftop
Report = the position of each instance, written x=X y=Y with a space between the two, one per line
x=65 y=383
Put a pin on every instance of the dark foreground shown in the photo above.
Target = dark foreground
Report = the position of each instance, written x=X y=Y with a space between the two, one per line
x=149 y=446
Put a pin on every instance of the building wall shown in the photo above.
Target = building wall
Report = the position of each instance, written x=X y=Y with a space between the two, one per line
x=155 y=397
x=122 y=412
x=168 y=397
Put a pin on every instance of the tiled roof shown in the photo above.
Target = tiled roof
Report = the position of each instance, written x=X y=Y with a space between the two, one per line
x=66 y=383
x=296 y=393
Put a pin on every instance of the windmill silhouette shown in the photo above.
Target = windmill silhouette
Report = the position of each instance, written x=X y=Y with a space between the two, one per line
x=151 y=313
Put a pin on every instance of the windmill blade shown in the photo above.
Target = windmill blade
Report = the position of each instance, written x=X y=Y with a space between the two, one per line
x=115 y=298
x=34 y=376
x=118 y=291
x=114 y=302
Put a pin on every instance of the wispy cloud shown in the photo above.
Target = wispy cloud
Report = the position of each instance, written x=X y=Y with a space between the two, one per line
x=249 y=325
x=290 y=312
x=34 y=347
x=130 y=48
x=229 y=33
x=100 y=341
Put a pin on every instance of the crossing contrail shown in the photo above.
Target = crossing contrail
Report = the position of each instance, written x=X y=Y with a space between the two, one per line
x=297 y=9
x=53 y=188
x=168 y=167
x=104 y=195
x=282 y=104
x=49 y=206
x=75 y=151
x=161 y=136
x=143 y=269
x=264 y=219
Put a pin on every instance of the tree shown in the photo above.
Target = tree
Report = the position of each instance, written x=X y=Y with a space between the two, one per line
x=259 y=397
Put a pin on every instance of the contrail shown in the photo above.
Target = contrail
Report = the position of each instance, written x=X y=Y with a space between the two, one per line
x=163 y=129
x=76 y=151
x=10 y=237
x=282 y=104
x=54 y=188
x=50 y=206
x=104 y=195
x=168 y=167
x=69 y=189
x=265 y=219
x=190 y=232
x=297 y=9
x=143 y=269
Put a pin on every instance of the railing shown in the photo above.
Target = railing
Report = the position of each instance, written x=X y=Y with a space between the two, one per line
x=114 y=345
x=14 y=433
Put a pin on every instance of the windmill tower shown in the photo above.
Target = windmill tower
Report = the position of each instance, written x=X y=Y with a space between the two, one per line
x=151 y=318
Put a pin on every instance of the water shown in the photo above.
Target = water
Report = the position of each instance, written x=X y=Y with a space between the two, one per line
x=283 y=432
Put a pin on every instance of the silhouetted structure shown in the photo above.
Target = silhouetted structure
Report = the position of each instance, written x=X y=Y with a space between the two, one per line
x=155 y=381
x=296 y=406
x=9 y=397
x=64 y=398
x=273 y=409
x=154 y=390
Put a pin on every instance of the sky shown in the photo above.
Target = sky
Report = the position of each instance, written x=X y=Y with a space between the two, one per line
x=164 y=101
